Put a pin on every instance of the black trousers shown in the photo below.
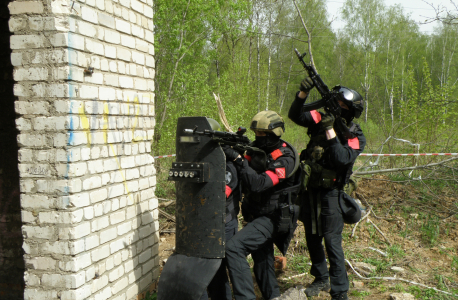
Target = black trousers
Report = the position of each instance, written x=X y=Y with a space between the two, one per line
x=254 y=238
x=219 y=288
x=331 y=228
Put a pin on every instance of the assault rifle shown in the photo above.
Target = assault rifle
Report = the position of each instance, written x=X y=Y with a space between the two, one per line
x=329 y=98
x=239 y=141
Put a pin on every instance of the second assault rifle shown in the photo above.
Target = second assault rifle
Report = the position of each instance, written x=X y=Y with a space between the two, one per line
x=329 y=98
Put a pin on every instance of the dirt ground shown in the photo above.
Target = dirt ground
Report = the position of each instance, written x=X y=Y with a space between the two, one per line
x=409 y=235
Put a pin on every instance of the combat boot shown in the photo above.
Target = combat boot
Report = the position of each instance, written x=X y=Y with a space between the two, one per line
x=316 y=287
x=340 y=296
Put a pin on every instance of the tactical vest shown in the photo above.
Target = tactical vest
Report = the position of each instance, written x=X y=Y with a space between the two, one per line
x=315 y=170
x=265 y=203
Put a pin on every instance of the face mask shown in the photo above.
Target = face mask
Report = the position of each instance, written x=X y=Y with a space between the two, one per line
x=261 y=141
x=347 y=115
x=268 y=143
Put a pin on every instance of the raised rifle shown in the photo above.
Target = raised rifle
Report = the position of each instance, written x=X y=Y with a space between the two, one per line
x=329 y=98
x=238 y=140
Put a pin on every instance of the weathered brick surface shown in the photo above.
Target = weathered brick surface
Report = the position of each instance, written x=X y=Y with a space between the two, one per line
x=85 y=113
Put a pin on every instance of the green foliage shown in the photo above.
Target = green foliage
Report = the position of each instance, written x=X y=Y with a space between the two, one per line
x=243 y=51
x=152 y=296
x=430 y=230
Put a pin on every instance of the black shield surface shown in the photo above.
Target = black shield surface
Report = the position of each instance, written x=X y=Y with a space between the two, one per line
x=200 y=206
x=186 y=278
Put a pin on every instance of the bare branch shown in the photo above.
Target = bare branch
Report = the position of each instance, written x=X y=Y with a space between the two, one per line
x=309 y=36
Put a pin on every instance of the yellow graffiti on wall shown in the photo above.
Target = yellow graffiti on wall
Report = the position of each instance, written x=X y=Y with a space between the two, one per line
x=136 y=110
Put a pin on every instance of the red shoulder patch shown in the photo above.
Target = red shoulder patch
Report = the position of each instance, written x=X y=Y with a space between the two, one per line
x=354 y=143
x=316 y=116
x=280 y=172
x=276 y=154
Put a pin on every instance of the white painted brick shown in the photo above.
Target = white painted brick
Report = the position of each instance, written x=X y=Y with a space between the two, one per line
x=35 y=201
x=111 y=79
x=98 y=195
x=100 y=223
x=89 y=213
x=27 y=42
x=81 y=293
x=107 y=93
x=123 y=54
x=92 y=242
x=27 y=216
x=149 y=14
x=92 y=183
x=36 y=74
x=87 y=29
x=56 y=248
x=144 y=256
x=25 y=7
x=16 y=24
x=132 y=291
x=119 y=286
x=80 y=230
x=94 y=47
x=100 y=253
x=108 y=235
x=89 y=92
x=126 y=82
x=23 y=124
x=89 y=14
x=32 y=108
x=35 y=294
x=36 y=23
x=77 y=263
x=138 y=58
x=109 y=265
x=104 y=294
x=79 y=200
x=42 y=263
x=124 y=228
x=116 y=274
x=31 y=232
x=95 y=166
x=106 y=20
x=77 y=169
x=112 y=37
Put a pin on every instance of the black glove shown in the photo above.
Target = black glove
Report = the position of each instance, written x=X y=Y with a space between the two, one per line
x=327 y=121
x=231 y=154
x=306 y=85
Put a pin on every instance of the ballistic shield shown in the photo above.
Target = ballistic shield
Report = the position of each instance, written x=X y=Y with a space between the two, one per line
x=199 y=175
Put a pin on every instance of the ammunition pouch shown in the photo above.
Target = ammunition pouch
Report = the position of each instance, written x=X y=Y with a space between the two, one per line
x=315 y=176
x=286 y=212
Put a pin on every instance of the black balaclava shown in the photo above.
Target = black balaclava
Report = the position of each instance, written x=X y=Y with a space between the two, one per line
x=268 y=143
x=347 y=114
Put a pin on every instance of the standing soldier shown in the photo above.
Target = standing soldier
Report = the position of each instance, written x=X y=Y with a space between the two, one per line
x=327 y=162
x=268 y=183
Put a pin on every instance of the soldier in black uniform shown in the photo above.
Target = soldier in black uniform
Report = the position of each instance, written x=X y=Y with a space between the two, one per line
x=219 y=287
x=266 y=183
x=328 y=159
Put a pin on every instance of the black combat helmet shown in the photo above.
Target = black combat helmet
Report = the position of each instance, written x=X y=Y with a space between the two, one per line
x=351 y=98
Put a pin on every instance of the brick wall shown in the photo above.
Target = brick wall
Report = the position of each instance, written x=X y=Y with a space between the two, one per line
x=11 y=253
x=84 y=88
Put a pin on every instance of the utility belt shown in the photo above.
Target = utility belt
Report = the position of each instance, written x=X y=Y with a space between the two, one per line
x=279 y=207
x=315 y=176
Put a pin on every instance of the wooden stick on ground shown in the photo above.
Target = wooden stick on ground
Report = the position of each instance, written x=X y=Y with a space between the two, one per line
x=379 y=231
x=365 y=216
x=168 y=216
x=398 y=279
